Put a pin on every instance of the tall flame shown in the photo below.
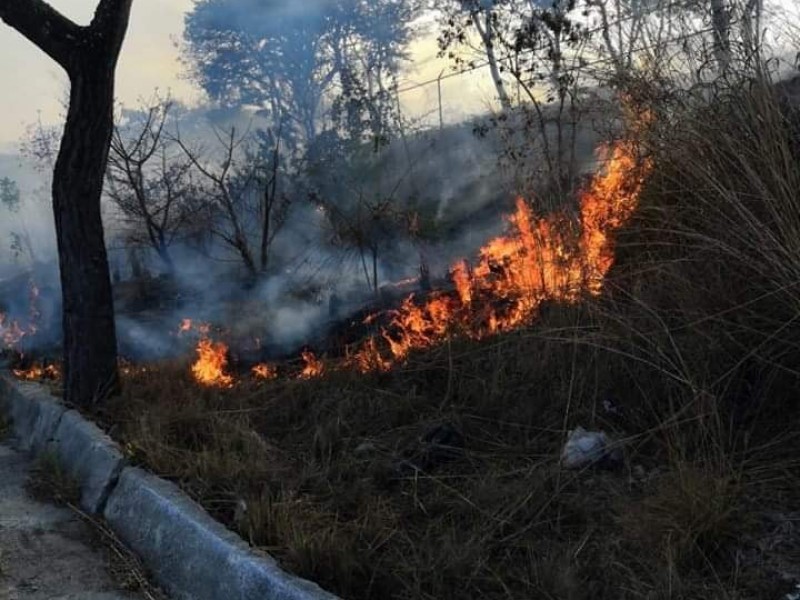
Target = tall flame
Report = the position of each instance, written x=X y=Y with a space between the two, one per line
x=209 y=368
x=212 y=357
x=542 y=258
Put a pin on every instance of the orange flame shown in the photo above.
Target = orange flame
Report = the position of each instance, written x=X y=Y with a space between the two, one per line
x=542 y=258
x=209 y=369
x=313 y=367
x=38 y=373
x=264 y=371
x=368 y=358
x=212 y=357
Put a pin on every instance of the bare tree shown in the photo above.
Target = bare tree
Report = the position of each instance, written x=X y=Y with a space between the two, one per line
x=364 y=226
x=480 y=15
x=538 y=49
x=149 y=182
x=240 y=189
x=89 y=55
x=273 y=206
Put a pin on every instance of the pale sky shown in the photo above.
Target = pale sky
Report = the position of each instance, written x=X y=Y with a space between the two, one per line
x=34 y=85
x=32 y=82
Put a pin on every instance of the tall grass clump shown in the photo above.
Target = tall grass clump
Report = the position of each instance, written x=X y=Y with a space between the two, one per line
x=712 y=259
x=703 y=308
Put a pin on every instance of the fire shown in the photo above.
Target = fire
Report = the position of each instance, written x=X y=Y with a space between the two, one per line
x=542 y=258
x=189 y=325
x=368 y=358
x=606 y=206
x=11 y=332
x=264 y=371
x=313 y=367
x=209 y=368
x=212 y=357
x=38 y=373
x=555 y=257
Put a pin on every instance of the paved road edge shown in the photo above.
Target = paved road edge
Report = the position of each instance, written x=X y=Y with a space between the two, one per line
x=192 y=556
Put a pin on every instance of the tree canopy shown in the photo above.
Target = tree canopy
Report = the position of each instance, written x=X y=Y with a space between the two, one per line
x=309 y=64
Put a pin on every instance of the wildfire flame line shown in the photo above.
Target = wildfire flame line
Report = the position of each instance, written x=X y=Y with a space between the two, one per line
x=542 y=258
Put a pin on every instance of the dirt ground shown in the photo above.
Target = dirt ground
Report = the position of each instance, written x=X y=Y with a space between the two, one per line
x=46 y=552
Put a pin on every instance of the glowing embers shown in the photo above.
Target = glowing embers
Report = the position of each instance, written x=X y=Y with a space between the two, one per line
x=51 y=372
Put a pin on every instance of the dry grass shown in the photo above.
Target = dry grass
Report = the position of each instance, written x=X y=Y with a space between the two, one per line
x=315 y=473
x=690 y=362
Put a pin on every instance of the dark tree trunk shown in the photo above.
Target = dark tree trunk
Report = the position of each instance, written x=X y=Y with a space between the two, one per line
x=162 y=248
x=265 y=232
x=375 y=268
x=720 y=25
x=90 y=343
x=89 y=55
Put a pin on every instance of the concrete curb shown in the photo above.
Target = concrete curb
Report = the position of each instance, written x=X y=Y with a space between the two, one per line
x=33 y=414
x=192 y=556
x=89 y=456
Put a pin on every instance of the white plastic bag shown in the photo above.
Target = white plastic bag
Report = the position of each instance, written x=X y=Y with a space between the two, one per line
x=584 y=448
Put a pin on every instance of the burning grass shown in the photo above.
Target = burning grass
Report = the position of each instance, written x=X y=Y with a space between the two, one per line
x=542 y=258
x=439 y=478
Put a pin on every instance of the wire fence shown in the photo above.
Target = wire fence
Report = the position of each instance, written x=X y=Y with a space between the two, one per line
x=464 y=93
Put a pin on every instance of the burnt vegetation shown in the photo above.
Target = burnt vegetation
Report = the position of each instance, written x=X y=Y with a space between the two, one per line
x=387 y=419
